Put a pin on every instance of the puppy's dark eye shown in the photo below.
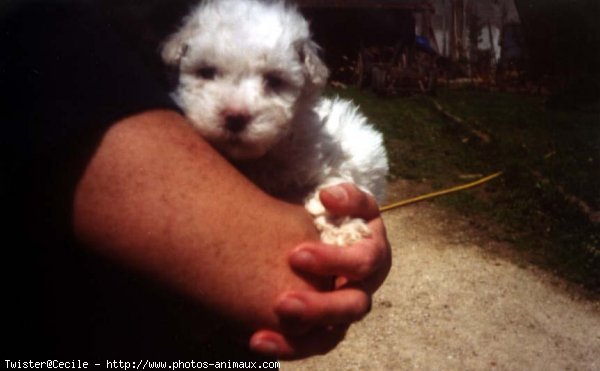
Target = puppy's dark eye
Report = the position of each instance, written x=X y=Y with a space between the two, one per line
x=207 y=72
x=274 y=82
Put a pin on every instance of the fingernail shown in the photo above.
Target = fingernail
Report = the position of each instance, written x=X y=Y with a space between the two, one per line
x=292 y=306
x=264 y=346
x=337 y=192
x=303 y=258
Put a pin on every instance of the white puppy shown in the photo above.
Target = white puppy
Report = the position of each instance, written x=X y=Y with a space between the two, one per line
x=249 y=80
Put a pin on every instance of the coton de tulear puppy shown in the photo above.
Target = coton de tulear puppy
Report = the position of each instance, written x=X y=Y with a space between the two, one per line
x=249 y=80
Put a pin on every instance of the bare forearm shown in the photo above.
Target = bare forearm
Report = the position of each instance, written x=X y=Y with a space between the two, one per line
x=157 y=197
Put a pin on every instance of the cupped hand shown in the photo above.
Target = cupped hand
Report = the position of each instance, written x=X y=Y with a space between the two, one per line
x=315 y=322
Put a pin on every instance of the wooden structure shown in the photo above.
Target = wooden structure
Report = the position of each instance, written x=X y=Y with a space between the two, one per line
x=373 y=42
x=385 y=4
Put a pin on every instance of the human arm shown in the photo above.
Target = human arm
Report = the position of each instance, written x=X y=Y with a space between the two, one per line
x=157 y=198
x=154 y=197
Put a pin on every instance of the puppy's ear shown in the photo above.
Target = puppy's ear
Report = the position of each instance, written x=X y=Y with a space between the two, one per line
x=175 y=47
x=315 y=69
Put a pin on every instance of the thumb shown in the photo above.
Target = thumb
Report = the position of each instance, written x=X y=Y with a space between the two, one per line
x=347 y=200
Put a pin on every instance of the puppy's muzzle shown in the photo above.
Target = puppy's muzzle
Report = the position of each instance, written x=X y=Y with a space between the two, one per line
x=236 y=122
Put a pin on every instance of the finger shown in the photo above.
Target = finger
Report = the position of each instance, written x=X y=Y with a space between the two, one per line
x=319 y=341
x=347 y=200
x=368 y=261
x=373 y=281
x=302 y=310
x=356 y=262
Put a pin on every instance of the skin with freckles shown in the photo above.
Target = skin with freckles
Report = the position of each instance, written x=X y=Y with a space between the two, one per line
x=147 y=199
x=160 y=200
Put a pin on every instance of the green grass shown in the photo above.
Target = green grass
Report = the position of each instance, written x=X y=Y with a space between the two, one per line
x=547 y=157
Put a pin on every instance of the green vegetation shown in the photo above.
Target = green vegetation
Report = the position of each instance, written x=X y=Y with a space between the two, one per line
x=548 y=198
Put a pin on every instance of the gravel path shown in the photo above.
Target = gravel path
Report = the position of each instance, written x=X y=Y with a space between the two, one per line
x=451 y=304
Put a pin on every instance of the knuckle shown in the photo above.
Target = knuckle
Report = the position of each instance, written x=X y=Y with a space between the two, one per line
x=366 y=264
x=365 y=303
x=361 y=308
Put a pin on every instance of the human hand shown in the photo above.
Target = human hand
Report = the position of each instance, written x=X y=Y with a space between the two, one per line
x=315 y=322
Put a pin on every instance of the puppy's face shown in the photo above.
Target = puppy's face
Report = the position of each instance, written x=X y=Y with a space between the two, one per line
x=241 y=99
x=245 y=69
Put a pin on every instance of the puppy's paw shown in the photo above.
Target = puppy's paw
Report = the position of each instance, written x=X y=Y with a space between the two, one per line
x=342 y=232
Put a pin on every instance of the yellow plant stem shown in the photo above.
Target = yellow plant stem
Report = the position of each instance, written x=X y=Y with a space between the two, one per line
x=440 y=193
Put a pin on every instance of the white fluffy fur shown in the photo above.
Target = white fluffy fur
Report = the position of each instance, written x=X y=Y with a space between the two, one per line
x=254 y=61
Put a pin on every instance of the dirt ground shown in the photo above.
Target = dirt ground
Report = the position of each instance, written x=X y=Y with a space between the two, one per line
x=451 y=302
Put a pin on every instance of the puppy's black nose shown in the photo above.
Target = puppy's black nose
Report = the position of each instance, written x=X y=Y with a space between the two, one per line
x=236 y=122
